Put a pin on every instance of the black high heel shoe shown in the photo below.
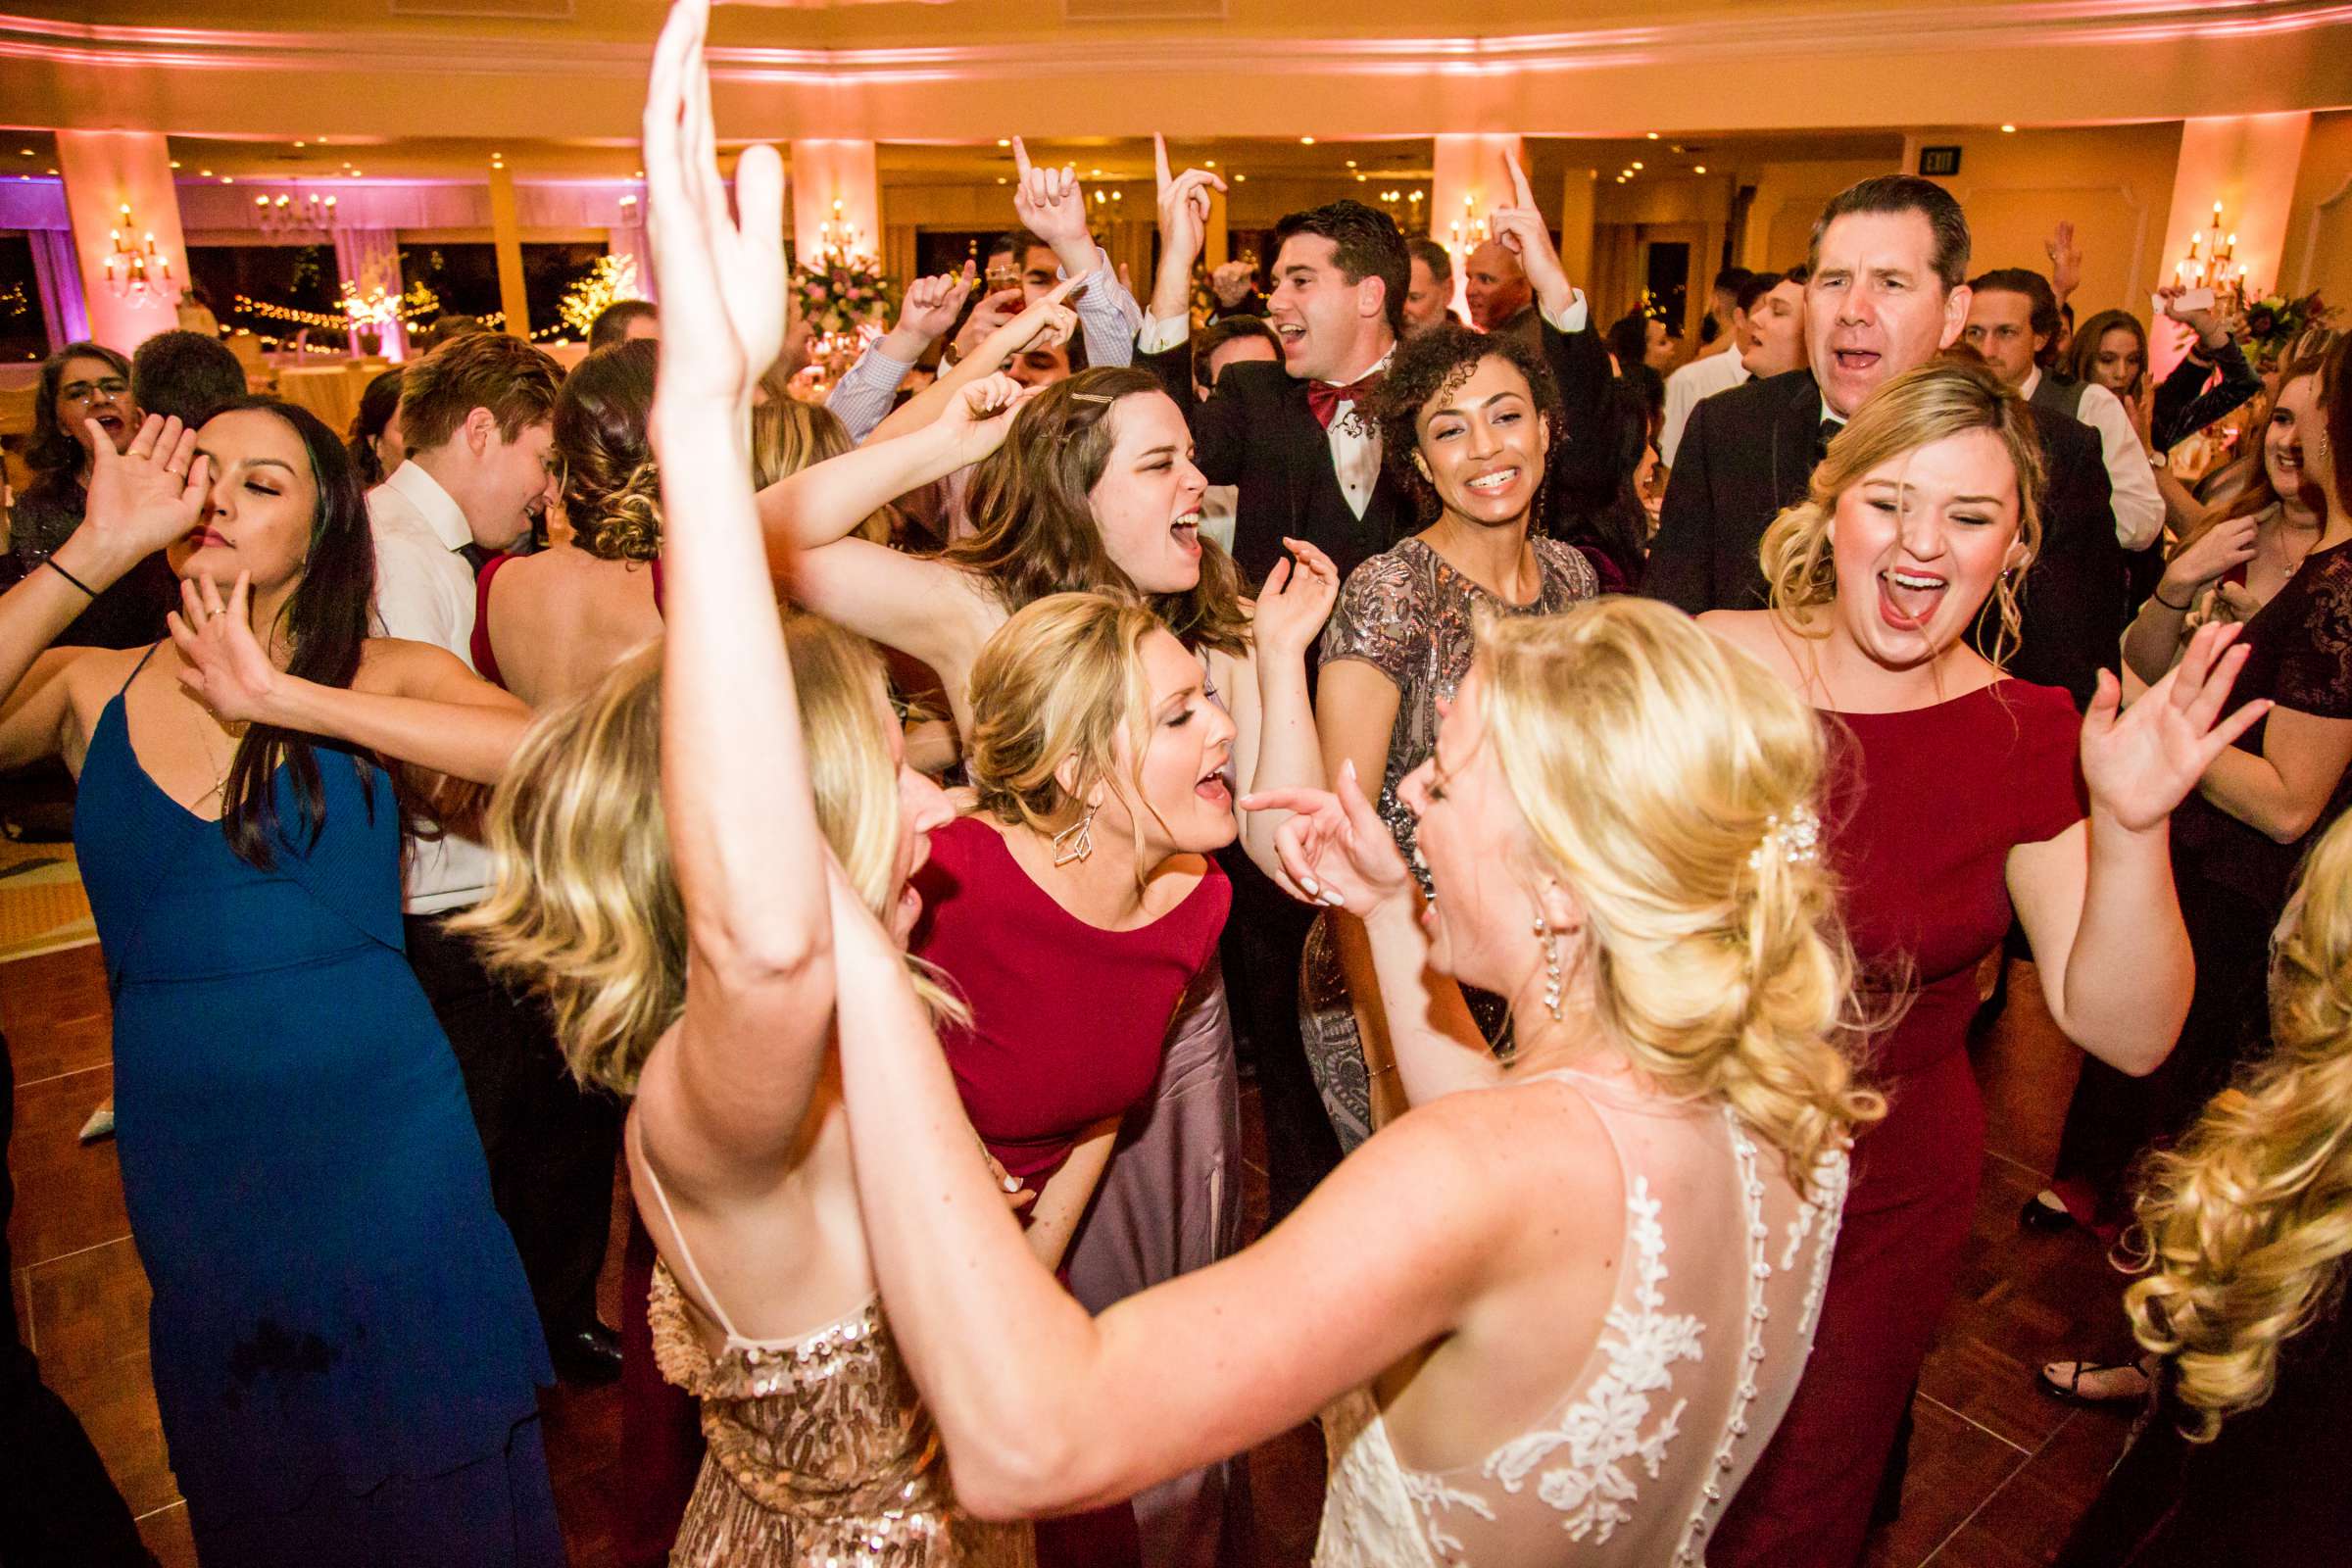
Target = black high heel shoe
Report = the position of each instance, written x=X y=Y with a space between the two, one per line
x=2043 y=1212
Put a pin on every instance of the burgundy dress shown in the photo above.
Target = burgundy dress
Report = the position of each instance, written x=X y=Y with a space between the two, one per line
x=1068 y=1025
x=1924 y=809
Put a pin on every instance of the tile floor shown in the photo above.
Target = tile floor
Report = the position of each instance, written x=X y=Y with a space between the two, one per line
x=1998 y=1475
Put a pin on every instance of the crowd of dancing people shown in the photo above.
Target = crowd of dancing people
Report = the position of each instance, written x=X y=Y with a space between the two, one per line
x=871 y=827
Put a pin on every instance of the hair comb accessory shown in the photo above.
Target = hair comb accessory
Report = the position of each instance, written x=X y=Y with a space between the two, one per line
x=1793 y=842
x=1092 y=396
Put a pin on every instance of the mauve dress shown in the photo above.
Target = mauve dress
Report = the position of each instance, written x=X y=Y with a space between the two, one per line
x=1924 y=809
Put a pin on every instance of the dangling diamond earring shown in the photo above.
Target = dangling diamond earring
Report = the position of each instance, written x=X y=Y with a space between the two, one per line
x=1077 y=841
x=1551 y=966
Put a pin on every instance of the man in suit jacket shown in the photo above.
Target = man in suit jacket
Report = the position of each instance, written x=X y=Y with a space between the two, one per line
x=1282 y=433
x=1884 y=294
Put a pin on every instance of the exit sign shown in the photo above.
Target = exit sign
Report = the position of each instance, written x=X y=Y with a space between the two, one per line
x=1939 y=161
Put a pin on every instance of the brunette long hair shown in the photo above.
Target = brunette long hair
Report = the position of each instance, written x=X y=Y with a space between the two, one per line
x=1037 y=530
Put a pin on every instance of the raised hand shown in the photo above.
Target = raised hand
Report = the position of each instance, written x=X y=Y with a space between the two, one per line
x=931 y=305
x=2209 y=327
x=2066 y=262
x=222 y=664
x=140 y=499
x=1522 y=231
x=1050 y=205
x=1295 y=602
x=2142 y=762
x=1333 y=846
x=2225 y=544
x=1232 y=282
x=1184 y=206
x=721 y=282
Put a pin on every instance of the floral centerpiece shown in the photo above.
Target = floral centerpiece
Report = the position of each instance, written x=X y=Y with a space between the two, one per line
x=843 y=300
x=2275 y=324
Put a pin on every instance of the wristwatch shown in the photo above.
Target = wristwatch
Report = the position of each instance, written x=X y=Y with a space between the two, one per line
x=951 y=356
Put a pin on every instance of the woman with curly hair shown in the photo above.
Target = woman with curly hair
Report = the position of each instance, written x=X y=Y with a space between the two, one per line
x=1469 y=422
x=2245 y=1235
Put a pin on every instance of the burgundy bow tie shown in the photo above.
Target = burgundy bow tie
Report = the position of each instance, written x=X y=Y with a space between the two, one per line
x=1324 y=397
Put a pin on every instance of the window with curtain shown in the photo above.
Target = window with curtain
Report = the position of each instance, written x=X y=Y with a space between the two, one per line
x=24 y=334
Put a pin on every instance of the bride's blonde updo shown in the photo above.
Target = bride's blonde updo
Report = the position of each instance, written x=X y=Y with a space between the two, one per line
x=2246 y=1227
x=1670 y=782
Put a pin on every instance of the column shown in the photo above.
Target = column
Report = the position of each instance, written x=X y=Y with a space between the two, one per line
x=1216 y=244
x=506 y=235
x=1577 y=191
x=2246 y=162
x=105 y=172
x=1467 y=181
x=834 y=183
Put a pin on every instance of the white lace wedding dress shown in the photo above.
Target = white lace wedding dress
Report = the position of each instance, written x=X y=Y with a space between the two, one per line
x=1704 y=1341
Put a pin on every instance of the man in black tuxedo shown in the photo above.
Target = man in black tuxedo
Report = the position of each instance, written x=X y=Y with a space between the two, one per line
x=1281 y=433
x=1887 y=293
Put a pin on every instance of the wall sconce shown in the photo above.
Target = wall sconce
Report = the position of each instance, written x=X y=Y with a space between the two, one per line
x=2213 y=265
x=135 y=271
x=291 y=215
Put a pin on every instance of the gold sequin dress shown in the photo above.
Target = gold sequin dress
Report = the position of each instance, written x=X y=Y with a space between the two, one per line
x=820 y=1451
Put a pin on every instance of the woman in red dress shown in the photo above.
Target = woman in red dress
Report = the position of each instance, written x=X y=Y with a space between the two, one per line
x=1963 y=792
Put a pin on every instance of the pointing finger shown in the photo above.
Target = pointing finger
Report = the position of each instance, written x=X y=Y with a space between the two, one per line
x=1160 y=159
x=1020 y=160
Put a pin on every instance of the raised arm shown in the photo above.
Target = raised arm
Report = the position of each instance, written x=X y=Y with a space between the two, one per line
x=725 y=1108
x=1045 y=1419
x=862 y=396
x=408 y=702
x=2097 y=901
x=1051 y=204
x=1274 y=744
x=1042 y=324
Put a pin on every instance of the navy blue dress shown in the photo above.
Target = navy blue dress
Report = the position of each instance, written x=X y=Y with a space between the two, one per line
x=343 y=1345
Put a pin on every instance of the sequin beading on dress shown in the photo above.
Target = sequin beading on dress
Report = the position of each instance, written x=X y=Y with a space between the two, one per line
x=820 y=1453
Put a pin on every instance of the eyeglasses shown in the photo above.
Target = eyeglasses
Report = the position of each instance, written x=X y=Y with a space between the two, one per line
x=113 y=386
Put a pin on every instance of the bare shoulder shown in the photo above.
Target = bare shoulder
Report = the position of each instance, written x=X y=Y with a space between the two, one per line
x=398 y=664
x=1751 y=630
x=1495 y=1151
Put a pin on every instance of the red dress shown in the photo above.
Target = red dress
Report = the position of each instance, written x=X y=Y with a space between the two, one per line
x=1068 y=1025
x=1067 y=1019
x=1924 y=809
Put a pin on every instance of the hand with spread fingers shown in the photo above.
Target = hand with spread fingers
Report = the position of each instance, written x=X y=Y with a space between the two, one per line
x=1333 y=845
x=140 y=500
x=722 y=280
x=224 y=664
x=2143 y=762
x=1295 y=602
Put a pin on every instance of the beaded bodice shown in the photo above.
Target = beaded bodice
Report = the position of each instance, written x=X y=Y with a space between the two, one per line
x=1696 y=1362
x=820 y=1451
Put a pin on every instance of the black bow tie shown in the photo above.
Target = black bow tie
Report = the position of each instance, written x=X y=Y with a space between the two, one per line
x=475 y=556
x=1828 y=433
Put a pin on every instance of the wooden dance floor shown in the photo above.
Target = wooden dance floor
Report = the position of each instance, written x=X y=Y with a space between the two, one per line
x=1998 y=1473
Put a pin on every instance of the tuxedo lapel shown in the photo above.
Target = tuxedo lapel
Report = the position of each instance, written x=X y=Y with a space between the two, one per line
x=1796 y=434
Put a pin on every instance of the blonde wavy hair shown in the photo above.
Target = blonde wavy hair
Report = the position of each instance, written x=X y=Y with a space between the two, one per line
x=1652 y=763
x=584 y=906
x=789 y=435
x=2245 y=1225
x=1944 y=397
x=1062 y=678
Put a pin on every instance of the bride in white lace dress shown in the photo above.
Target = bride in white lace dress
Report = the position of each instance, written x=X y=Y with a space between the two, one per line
x=1552 y=1313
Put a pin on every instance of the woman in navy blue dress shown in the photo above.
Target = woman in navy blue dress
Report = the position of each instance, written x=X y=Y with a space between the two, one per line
x=344 y=1349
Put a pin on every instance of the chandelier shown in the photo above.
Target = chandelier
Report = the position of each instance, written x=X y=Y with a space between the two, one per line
x=2214 y=265
x=133 y=270
x=293 y=215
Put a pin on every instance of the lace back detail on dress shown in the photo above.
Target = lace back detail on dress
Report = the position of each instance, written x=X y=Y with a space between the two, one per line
x=1620 y=1468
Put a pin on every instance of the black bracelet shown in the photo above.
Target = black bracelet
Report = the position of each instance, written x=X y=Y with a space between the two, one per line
x=51 y=563
x=2157 y=593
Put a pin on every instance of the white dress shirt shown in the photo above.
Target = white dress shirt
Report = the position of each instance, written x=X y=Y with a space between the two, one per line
x=2138 y=505
x=1691 y=385
x=424 y=593
x=1355 y=443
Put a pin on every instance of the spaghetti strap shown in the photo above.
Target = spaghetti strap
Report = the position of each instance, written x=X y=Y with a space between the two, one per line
x=141 y=665
x=669 y=1217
